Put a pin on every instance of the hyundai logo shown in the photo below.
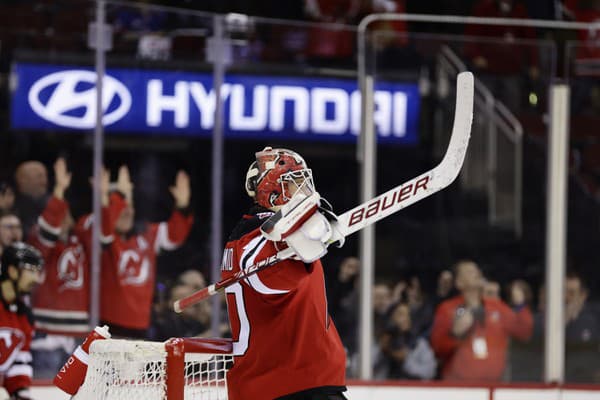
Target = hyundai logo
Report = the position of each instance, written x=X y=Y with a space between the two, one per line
x=68 y=98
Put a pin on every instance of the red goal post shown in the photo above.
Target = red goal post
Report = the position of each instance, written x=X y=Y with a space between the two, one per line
x=178 y=369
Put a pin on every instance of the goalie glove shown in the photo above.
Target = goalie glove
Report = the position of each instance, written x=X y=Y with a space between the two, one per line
x=302 y=225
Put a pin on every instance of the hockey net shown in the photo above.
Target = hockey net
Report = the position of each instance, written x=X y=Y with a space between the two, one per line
x=181 y=368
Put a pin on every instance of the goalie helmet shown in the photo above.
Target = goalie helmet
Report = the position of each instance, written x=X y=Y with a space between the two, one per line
x=276 y=175
x=22 y=256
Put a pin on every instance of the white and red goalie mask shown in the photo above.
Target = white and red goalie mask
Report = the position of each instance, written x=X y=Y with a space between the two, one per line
x=276 y=175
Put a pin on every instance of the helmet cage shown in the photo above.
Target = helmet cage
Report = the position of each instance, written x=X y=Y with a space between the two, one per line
x=301 y=180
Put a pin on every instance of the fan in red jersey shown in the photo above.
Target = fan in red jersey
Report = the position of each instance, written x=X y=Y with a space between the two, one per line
x=285 y=344
x=20 y=270
x=61 y=302
x=129 y=258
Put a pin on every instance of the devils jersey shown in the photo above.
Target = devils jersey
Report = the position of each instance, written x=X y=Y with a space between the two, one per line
x=61 y=301
x=16 y=332
x=284 y=339
x=129 y=267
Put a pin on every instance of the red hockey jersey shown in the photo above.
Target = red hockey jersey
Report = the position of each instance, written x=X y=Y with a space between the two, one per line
x=129 y=267
x=61 y=301
x=284 y=339
x=16 y=333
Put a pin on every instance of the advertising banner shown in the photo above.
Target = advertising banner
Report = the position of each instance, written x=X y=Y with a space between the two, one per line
x=162 y=102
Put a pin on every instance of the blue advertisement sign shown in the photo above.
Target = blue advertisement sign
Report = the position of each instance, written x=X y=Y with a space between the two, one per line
x=183 y=103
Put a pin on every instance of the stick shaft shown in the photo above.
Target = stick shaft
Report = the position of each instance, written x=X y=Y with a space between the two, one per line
x=216 y=287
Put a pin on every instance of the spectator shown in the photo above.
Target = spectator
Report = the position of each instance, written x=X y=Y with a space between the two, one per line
x=421 y=310
x=330 y=44
x=192 y=321
x=144 y=25
x=521 y=285
x=582 y=333
x=582 y=323
x=7 y=197
x=20 y=270
x=501 y=65
x=382 y=300
x=31 y=178
x=342 y=299
x=582 y=330
x=192 y=278
x=399 y=291
x=491 y=289
x=390 y=39
x=61 y=302
x=408 y=356
x=129 y=258
x=470 y=333
x=444 y=288
x=526 y=358
x=195 y=280
x=392 y=33
x=11 y=229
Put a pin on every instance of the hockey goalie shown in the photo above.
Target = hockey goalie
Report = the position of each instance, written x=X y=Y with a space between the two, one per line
x=285 y=344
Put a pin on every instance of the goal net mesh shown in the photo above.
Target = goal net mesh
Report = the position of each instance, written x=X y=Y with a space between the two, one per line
x=132 y=370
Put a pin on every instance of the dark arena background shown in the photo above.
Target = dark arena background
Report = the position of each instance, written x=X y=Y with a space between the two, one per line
x=524 y=211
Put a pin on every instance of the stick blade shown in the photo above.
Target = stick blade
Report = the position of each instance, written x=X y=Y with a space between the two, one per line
x=450 y=167
x=428 y=183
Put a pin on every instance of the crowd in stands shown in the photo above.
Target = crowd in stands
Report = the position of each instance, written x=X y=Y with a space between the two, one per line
x=331 y=39
x=323 y=33
x=281 y=41
x=466 y=328
x=468 y=321
x=128 y=260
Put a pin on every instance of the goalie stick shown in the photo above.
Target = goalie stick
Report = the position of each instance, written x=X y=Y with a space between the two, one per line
x=394 y=200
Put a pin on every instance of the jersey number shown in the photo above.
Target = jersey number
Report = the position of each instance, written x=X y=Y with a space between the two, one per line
x=241 y=344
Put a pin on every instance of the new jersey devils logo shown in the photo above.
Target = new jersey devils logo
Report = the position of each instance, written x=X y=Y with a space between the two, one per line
x=133 y=268
x=11 y=342
x=70 y=268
